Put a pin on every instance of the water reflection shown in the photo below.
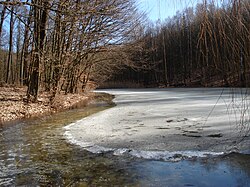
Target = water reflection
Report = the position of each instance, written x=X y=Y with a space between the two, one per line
x=36 y=153
x=232 y=170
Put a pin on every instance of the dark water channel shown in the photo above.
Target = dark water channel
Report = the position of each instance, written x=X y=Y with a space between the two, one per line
x=35 y=153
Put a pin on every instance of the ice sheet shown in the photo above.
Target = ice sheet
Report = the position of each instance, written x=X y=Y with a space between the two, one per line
x=163 y=123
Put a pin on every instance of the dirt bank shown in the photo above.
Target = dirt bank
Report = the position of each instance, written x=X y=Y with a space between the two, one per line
x=13 y=106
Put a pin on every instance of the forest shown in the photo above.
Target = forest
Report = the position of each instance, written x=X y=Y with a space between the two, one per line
x=65 y=46
x=187 y=125
x=58 y=45
x=207 y=45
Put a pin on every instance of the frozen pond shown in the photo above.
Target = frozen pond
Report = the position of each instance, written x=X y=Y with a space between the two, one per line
x=167 y=124
x=35 y=152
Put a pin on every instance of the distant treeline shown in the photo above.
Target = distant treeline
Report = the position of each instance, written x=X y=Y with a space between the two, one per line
x=60 y=46
x=206 y=45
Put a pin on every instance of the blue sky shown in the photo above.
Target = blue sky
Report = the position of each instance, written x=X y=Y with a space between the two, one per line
x=161 y=9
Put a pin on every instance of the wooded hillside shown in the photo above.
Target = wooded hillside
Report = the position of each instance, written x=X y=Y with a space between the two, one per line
x=59 y=45
x=206 y=45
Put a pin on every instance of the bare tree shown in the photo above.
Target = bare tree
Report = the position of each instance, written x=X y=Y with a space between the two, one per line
x=10 y=60
x=40 y=21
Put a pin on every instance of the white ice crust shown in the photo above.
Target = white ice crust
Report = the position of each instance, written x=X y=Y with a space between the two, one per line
x=166 y=124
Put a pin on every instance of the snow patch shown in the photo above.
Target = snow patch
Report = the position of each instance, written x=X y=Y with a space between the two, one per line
x=153 y=124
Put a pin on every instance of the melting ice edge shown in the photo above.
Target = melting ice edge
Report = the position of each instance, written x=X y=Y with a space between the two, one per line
x=152 y=155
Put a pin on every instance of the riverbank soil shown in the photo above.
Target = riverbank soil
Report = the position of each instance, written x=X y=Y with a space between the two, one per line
x=14 y=107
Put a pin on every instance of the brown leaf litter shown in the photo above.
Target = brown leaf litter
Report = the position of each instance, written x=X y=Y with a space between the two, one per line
x=14 y=107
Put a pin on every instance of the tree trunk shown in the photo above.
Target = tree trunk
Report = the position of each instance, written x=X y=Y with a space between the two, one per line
x=2 y=20
x=40 y=20
x=24 y=52
x=9 y=72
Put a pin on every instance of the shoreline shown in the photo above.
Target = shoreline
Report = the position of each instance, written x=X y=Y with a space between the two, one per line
x=13 y=108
